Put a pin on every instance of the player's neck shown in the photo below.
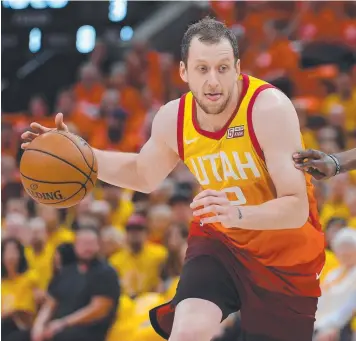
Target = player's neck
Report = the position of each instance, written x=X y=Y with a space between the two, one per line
x=216 y=122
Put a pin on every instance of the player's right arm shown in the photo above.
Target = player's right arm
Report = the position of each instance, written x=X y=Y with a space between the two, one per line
x=323 y=166
x=142 y=171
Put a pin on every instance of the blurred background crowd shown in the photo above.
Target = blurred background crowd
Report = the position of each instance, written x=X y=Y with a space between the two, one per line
x=307 y=49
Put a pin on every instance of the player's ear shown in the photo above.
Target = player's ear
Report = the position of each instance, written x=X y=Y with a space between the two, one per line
x=237 y=67
x=183 y=72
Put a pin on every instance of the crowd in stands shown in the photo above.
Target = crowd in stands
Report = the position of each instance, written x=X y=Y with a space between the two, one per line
x=143 y=236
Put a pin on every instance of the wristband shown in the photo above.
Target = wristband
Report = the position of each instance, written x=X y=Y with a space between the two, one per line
x=337 y=163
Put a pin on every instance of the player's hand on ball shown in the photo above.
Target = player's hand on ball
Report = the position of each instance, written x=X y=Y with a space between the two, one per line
x=38 y=129
x=215 y=202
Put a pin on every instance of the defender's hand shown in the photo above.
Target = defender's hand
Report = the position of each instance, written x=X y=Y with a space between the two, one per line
x=217 y=203
x=38 y=129
x=316 y=163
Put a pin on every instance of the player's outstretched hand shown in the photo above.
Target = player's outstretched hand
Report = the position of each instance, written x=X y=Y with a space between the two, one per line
x=316 y=163
x=38 y=129
x=214 y=207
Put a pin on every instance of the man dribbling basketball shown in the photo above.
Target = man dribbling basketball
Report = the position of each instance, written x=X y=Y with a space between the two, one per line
x=255 y=243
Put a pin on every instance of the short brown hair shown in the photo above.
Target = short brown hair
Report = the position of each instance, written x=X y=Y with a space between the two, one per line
x=211 y=31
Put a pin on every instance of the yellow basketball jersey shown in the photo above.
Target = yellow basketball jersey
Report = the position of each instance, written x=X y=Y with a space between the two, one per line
x=232 y=161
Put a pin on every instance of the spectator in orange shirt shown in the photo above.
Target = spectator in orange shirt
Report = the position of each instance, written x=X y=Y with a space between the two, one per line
x=151 y=66
x=88 y=93
x=111 y=133
x=129 y=97
x=89 y=90
x=225 y=11
x=135 y=75
x=348 y=25
x=319 y=21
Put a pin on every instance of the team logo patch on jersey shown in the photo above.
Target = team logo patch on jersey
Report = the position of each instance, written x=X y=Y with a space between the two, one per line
x=235 y=132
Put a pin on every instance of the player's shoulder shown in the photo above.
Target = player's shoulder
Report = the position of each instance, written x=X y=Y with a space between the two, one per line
x=272 y=98
x=274 y=104
x=169 y=111
x=164 y=125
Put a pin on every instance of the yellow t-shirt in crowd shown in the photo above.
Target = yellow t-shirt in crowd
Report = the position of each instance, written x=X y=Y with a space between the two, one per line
x=309 y=139
x=171 y=291
x=17 y=293
x=349 y=107
x=331 y=210
x=124 y=210
x=60 y=236
x=125 y=323
x=42 y=263
x=139 y=273
x=144 y=330
x=122 y=214
x=352 y=222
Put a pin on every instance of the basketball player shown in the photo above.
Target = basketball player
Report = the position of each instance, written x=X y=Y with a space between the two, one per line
x=324 y=166
x=255 y=243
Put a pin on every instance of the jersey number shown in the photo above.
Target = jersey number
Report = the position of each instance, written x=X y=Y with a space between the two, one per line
x=236 y=197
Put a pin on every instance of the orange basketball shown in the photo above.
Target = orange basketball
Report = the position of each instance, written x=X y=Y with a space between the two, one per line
x=58 y=169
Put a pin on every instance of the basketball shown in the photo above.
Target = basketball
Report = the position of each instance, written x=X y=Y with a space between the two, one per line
x=58 y=169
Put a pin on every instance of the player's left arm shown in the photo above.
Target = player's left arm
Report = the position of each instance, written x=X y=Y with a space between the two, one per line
x=277 y=128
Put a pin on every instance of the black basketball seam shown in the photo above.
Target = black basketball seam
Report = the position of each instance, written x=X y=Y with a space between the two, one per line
x=85 y=160
x=52 y=182
x=63 y=160
x=94 y=158
x=60 y=183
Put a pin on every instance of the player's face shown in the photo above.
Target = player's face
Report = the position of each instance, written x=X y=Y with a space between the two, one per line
x=211 y=73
